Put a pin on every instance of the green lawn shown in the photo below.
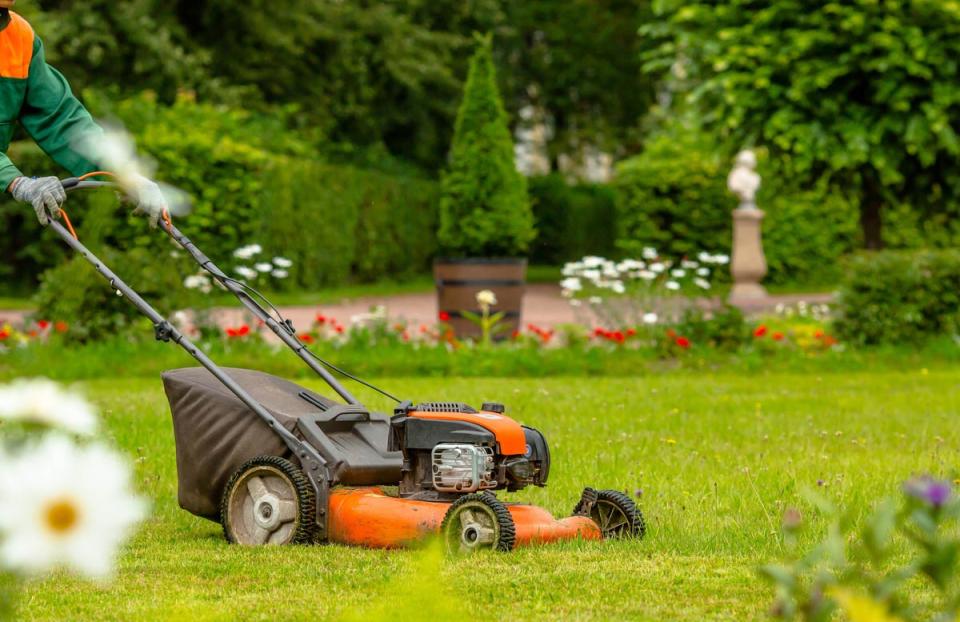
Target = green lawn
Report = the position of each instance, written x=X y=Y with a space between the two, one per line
x=717 y=457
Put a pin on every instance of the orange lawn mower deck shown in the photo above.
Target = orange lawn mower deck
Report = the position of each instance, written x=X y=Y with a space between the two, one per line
x=276 y=463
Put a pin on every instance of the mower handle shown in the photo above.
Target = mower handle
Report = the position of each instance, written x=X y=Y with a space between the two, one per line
x=75 y=183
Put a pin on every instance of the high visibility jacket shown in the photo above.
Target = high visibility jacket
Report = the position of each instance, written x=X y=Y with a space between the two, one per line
x=38 y=96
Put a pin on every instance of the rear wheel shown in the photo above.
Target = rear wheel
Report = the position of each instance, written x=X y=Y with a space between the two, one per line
x=478 y=522
x=614 y=512
x=268 y=501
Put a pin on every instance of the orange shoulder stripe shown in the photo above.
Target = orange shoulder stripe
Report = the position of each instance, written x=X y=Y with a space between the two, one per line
x=16 y=48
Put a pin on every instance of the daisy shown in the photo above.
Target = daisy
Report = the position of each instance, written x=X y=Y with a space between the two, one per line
x=41 y=401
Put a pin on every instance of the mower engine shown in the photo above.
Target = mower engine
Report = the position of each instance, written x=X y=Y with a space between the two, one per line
x=450 y=449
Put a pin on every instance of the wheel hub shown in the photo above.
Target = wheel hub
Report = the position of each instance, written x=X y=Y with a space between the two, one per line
x=267 y=511
x=476 y=529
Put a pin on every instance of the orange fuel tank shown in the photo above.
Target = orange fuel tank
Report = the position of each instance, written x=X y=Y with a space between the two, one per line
x=368 y=517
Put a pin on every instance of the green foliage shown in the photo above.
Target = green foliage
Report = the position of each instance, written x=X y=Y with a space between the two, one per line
x=571 y=220
x=858 y=93
x=861 y=569
x=900 y=296
x=484 y=210
x=578 y=63
x=725 y=329
x=673 y=197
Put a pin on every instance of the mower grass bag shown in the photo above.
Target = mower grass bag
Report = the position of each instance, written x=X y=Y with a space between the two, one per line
x=216 y=433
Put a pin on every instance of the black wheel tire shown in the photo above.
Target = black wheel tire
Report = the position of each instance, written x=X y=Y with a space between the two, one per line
x=291 y=497
x=478 y=522
x=615 y=513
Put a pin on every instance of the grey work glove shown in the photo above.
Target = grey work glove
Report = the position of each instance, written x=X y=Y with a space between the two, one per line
x=148 y=197
x=46 y=194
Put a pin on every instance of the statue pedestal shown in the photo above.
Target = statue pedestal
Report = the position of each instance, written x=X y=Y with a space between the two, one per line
x=748 y=265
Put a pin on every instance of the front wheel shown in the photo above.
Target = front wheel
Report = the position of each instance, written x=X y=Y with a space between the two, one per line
x=268 y=501
x=614 y=512
x=478 y=522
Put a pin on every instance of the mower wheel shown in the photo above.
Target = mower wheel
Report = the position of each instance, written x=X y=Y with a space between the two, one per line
x=477 y=522
x=614 y=512
x=268 y=501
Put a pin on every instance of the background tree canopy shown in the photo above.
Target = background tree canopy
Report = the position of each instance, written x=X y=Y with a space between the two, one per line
x=863 y=94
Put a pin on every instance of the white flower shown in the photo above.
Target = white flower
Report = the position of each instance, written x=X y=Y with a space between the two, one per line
x=486 y=299
x=658 y=267
x=263 y=267
x=703 y=271
x=245 y=272
x=689 y=265
x=592 y=275
x=649 y=253
x=595 y=300
x=630 y=264
x=721 y=259
x=705 y=257
x=198 y=281
x=279 y=274
x=647 y=275
x=572 y=269
x=650 y=318
x=575 y=303
x=65 y=505
x=592 y=261
x=571 y=284
x=246 y=252
x=41 y=401
x=282 y=262
x=702 y=283
x=672 y=285
x=678 y=273
x=618 y=287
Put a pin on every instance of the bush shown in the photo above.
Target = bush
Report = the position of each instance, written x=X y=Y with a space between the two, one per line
x=250 y=182
x=484 y=210
x=572 y=220
x=674 y=197
x=900 y=296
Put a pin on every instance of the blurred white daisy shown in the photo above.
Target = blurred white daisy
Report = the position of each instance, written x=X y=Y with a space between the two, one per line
x=279 y=274
x=264 y=267
x=571 y=284
x=650 y=318
x=702 y=283
x=65 y=505
x=649 y=253
x=41 y=401
x=672 y=285
x=282 y=262
x=486 y=299
x=245 y=272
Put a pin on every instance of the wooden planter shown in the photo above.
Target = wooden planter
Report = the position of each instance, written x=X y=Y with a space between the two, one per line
x=459 y=280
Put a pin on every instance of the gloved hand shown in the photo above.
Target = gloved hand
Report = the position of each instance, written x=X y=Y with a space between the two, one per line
x=148 y=197
x=46 y=194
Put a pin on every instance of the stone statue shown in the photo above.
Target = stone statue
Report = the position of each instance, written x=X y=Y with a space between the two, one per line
x=743 y=180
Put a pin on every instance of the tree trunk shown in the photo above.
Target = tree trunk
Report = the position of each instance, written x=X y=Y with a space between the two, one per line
x=871 y=222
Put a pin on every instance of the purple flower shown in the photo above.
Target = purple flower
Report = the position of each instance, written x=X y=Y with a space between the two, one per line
x=933 y=492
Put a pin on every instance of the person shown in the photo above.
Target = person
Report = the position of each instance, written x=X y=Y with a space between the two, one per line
x=39 y=97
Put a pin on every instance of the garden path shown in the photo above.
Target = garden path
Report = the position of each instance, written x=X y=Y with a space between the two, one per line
x=543 y=306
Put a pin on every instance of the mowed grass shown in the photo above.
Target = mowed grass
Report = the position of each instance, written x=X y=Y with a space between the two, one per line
x=717 y=458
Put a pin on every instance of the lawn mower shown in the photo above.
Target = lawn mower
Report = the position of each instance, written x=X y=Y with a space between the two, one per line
x=276 y=463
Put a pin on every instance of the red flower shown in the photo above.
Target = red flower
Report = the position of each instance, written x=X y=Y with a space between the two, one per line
x=631 y=332
x=231 y=332
x=682 y=342
x=617 y=336
x=423 y=328
x=672 y=334
x=515 y=334
x=546 y=335
x=321 y=318
x=405 y=336
x=43 y=324
x=238 y=332
x=339 y=329
x=244 y=330
x=61 y=327
x=778 y=336
x=4 y=334
x=830 y=340
x=398 y=327
x=760 y=331
x=599 y=332
x=444 y=316
x=818 y=335
x=33 y=333
x=306 y=338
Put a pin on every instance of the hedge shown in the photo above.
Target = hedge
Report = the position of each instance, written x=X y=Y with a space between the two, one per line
x=900 y=296
x=572 y=220
x=249 y=182
x=674 y=197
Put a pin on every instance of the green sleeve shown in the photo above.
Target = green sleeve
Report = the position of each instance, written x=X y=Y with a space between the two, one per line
x=8 y=172
x=55 y=119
